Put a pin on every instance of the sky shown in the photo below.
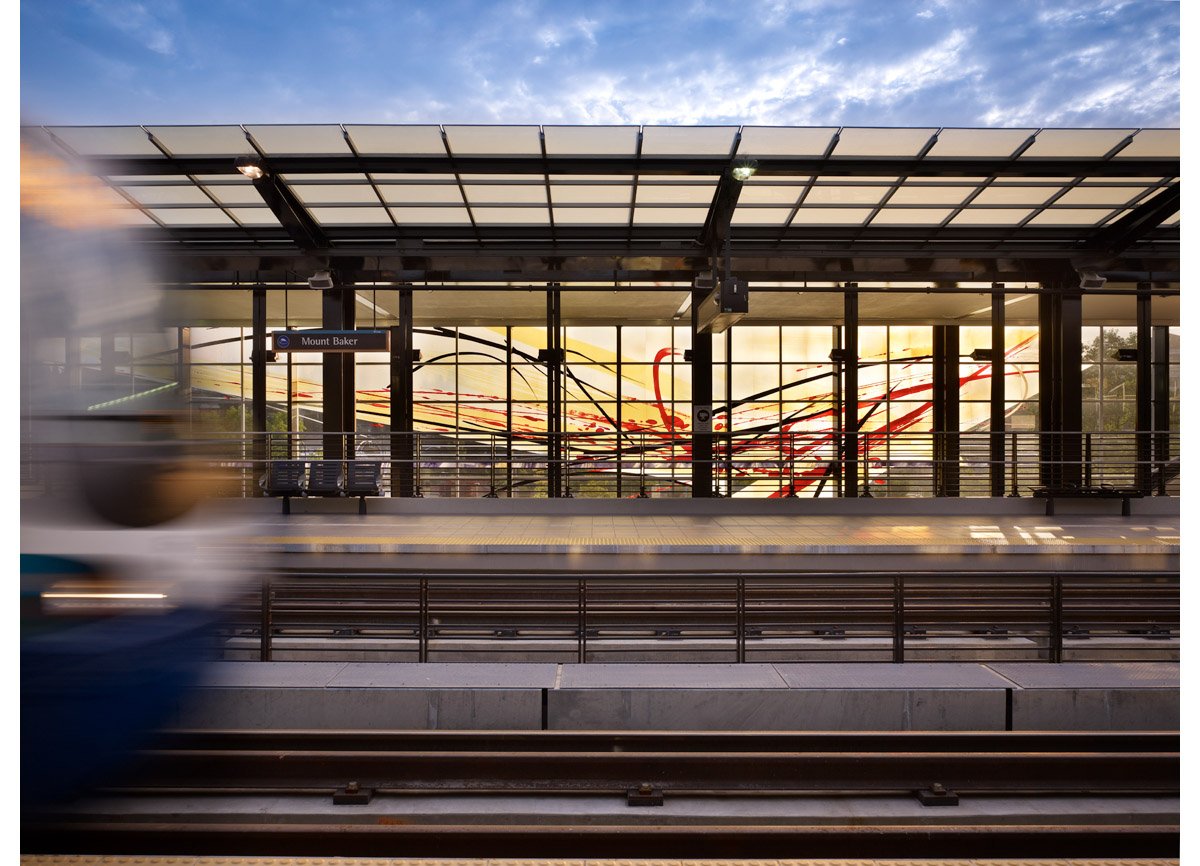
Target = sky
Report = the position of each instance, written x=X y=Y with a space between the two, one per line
x=787 y=62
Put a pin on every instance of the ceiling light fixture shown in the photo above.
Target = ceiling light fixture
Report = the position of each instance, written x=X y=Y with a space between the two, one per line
x=251 y=167
x=744 y=169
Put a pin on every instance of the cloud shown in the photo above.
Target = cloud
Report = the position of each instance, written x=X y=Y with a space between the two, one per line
x=136 y=21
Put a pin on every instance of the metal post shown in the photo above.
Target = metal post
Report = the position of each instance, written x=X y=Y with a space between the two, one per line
x=1144 y=391
x=258 y=378
x=1087 y=459
x=996 y=419
x=349 y=394
x=898 y=618
x=553 y=391
x=702 y=443
x=1013 y=465
x=423 y=619
x=582 y=649
x=850 y=400
x=741 y=618
x=331 y=379
x=642 y=494
x=1162 y=404
x=264 y=623
x=508 y=410
x=401 y=360
x=1056 y=619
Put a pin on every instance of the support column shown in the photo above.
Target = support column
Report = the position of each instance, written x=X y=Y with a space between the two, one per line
x=554 y=359
x=1060 y=326
x=349 y=394
x=402 y=358
x=183 y=365
x=1162 y=405
x=702 y=443
x=258 y=378
x=996 y=419
x=850 y=393
x=945 y=411
x=332 y=383
x=73 y=368
x=1144 y=392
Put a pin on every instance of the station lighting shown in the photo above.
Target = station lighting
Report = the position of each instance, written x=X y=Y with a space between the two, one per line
x=744 y=169
x=251 y=167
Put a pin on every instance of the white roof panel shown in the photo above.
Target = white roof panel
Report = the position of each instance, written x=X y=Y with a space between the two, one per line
x=1153 y=143
x=930 y=194
x=494 y=140
x=335 y=193
x=591 y=140
x=785 y=141
x=421 y=193
x=840 y=216
x=760 y=194
x=504 y=194
x=663 y=194
x=203 y=140
x=431 y=216
x=593 y=194
x=845 y=195
x=377 y=140
x=591 y=215
x=1070 y=217
x=689 y=216
x=192 y=216
x=181 y=194
x=687 y=140
x=911 y=216
x=761 y=216
x=990 y=216
x=350 y=216
x=106 y=140
x=254 y=216
x=979 y=143
x=1083 y=143
x=235 y=194
x=861 y=141
x=1109 y=195
x=538 y=216
x=1014 y=195
x=300 y=140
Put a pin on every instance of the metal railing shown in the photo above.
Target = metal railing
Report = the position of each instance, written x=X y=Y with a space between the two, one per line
x=463 y=464
x=729 y=617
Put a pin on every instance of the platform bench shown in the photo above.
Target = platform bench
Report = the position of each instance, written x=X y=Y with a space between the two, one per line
x=284 y=478
x=1102 y=492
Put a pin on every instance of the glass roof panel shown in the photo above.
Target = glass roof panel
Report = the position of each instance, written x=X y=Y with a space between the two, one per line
x=283 y=140
x=978 y=142
x=416 y=178
x=680 y=179
x=1075 y=142
x=1153 y=143
x=503 y=194
x=687 y=140
x=859 y=141
x=591 y=178
x=494 y=140
x=770 y=194
x=233 y=178
x=930 y=194
x=591 y=140
x=1172 y=220
x=990 y=216
x=421 y=194
x=1070 y=217
x=760 y=216
x=845 y=195
x=855 y=179
x=350 y=216
x=1111 y=195
x=406 y=140
x=1014 y=195
x=203 y=140
x=181 y=194
x=534 y=178
x=591 y=194
x=431 y=216
x=785 y=141
x=254 y=216
x=591 y=215
x=511 y=215
x=906 y=216
x=831 y=216
x=346 y=177
x=106 y=140
x=235 y=194
x=192 y=216
x=128 y=216
x=1031 y=181
x=768 y=179
x=670 y=216
x=335 y=193
x=661 y=194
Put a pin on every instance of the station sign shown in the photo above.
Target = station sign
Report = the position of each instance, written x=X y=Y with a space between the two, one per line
x=330 y=341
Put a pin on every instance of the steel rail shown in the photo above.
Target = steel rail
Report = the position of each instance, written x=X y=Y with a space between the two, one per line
x=580 y=840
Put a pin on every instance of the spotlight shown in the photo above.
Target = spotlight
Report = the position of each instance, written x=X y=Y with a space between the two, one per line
x=744 y=169
x=321 y=280
x=1091 y=280
x=251 y=167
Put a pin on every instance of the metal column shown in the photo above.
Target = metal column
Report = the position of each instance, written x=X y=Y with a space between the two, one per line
x=996 y=419
x=945 y=410
x=702 y=443
x=337 y=383
x=850 y=393
x=1060 y=326
x=1162 y=405
x=258 y=377
x=401 y=360
x=554 y=360
x=1144 y=391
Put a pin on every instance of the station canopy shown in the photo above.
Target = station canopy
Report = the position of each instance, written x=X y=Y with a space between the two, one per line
x=632 y=206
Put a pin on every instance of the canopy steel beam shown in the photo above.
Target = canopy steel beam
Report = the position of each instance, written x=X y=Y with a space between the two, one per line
x=650 y=165
x=1138 y=223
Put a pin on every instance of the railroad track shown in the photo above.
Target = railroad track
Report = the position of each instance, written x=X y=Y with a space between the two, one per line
x=569 y=794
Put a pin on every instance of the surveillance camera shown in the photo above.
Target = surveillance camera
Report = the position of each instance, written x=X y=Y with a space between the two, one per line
x=320 y=280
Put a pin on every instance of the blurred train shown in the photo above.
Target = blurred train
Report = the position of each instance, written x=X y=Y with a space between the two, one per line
x=121 y=581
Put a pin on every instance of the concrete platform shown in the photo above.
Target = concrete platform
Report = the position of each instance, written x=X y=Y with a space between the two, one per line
x=831 y=696
x=868 y=534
